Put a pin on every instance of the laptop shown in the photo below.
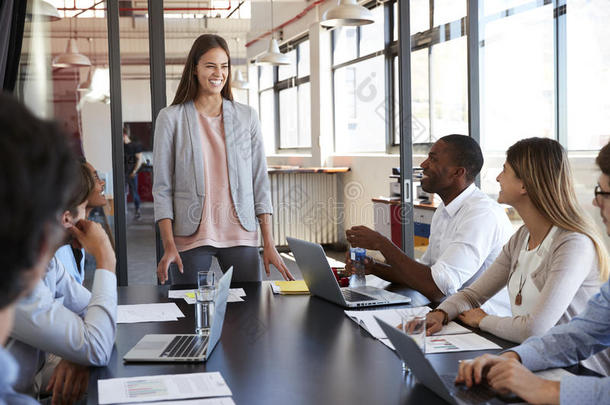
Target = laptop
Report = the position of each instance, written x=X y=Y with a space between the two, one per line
x=441 y=385
x=185 y=347
x=321 y=281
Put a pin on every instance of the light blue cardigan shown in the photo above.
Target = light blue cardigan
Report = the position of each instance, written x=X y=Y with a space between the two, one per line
x=178 y=185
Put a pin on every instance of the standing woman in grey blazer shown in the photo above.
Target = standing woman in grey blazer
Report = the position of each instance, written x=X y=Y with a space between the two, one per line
x=210 y=186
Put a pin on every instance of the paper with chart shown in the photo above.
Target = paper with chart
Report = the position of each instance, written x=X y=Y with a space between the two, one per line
x=452 y=338
x=393 y=317
x=162 y=312
x=465 y=342
x=235 y=295
x=162 y=387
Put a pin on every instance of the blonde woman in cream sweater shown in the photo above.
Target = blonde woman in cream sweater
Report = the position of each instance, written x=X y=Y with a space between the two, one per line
x=552 y=265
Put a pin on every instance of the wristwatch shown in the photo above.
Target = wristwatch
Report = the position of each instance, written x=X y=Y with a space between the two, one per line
x=445 y=315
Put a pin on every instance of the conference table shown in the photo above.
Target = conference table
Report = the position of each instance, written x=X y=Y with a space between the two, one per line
x=284 y=349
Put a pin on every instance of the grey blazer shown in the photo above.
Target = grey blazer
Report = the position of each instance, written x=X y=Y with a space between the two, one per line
x=178 y=184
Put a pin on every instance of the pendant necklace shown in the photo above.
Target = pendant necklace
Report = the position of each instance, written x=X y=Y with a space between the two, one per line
x=519 y=298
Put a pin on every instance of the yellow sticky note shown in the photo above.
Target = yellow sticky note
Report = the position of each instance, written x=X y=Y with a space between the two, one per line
x=293 y=287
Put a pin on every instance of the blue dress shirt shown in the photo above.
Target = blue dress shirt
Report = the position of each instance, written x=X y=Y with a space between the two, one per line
x=77 y=270
x=567 y=344
x=8 y=376
x=62 y=317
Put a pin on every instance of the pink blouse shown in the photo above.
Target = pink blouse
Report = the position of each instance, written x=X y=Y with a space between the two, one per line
x=220 y=226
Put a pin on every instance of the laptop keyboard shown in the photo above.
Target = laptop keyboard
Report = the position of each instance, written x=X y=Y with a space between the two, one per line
x=477 y=394
x=353 y=296
x=185 y=346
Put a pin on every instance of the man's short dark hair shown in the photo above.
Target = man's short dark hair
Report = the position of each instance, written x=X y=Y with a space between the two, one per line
x=37 y=173
x=466 y=153
x=603 y=159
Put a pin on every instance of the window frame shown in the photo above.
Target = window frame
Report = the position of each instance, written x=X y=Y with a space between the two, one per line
x=280 y=85
x=389 y=50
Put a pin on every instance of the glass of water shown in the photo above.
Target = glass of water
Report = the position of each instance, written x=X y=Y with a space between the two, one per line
x=204 y=301
x=414 y=326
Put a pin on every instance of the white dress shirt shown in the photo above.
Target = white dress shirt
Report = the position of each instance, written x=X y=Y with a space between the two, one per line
x=62 y=317
x=466 y=236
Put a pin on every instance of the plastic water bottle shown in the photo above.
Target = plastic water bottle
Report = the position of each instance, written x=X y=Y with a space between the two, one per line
x=357 y=256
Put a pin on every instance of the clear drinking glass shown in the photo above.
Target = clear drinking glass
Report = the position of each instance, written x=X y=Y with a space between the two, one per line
x=204 y=302
x=415 y=327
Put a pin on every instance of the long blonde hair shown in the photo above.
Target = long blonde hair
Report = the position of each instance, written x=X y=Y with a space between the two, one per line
x=542 y=164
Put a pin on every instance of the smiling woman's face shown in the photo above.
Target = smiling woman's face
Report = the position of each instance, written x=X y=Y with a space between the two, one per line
x=212 y=71
x=96 y=198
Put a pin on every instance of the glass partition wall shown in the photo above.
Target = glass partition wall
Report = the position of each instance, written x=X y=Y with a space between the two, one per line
x=542 y=71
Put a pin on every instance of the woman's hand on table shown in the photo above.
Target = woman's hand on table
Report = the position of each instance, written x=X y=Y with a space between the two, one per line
x=271 y=256
x=472 y=317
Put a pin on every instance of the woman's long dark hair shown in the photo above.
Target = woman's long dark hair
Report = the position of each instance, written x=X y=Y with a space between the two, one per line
x=189 y=84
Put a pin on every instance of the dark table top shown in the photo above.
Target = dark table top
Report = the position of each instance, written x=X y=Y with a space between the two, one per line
x=282 y=349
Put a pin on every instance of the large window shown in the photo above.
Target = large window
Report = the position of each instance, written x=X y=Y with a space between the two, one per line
x=588 y=74
x=543 y=71
x=516 y=76
x=284 y=92
x=439 y=69
x=361 y=97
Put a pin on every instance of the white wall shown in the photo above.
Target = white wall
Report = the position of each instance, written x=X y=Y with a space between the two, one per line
x=97 y=143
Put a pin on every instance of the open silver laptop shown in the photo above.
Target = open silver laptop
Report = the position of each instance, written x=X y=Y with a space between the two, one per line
x=185 y=347
x=441 y=385
x=321 y=281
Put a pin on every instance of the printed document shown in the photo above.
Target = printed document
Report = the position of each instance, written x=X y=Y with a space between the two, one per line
x=452 y=338
x=161 y=387
x=393 y=317
x=167 y=311
x=235 y=295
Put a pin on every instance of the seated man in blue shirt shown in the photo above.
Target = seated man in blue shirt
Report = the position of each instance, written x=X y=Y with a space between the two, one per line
x=563 y=345
x=36 y=172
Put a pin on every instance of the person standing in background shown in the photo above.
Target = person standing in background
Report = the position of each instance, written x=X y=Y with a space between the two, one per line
x=132 y=155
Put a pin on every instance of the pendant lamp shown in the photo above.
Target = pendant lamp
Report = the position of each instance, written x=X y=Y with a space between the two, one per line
x=72 y=57
x=347 y=13
x=238 y=81
x=273 y=56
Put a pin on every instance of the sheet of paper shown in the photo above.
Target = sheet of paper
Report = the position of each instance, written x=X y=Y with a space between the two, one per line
x=392 y=316
x=207 y=401
x=554 y=374
x=366 y=319
x=452 y=343
x=374 y=281
x=177 y=294
x=160 y=312
x=458 y=343
x=235 y=295
x=161 y=387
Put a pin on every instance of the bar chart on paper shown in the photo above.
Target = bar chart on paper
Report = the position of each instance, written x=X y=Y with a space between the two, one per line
x=145 y=389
